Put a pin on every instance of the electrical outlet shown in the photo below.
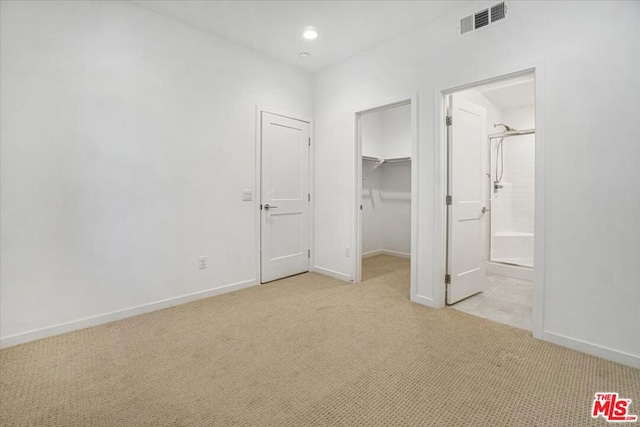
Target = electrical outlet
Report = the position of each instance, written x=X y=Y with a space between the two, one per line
x=347 y=251
x=202 y=262
x=247 y=195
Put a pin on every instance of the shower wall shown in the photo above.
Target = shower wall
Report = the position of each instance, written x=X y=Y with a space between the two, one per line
x=512 y=216
x=520 y=162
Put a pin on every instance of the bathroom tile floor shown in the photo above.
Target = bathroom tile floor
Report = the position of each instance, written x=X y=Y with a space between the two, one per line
x=505 y=300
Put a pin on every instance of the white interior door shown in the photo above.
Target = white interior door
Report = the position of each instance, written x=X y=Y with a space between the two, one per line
x=466 y=260
x=284 y=197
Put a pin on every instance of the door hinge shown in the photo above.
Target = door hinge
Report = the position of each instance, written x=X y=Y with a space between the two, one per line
x=447 y=279
x=448 y=200
x=260 y=207
x=308 y=253
x=449 y=120
x=309 y=141
x=308 y=197
x=360 y=207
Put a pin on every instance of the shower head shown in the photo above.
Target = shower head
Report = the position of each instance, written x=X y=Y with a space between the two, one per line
x=506 y=128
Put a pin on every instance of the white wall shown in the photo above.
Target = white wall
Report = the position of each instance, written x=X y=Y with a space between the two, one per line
x=592 y=236
x=127 y=139
x=396 y=131
x=386 y=210
x=387 y=133
x=372 y=138
x=395 y=195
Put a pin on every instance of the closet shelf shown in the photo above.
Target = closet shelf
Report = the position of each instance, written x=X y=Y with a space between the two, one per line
x=379 y=162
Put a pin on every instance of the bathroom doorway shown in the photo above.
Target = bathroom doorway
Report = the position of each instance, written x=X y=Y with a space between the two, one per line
x=491 y=199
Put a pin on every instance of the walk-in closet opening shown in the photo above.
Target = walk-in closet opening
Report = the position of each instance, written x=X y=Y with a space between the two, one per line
x=385 y=139
x=491 y=200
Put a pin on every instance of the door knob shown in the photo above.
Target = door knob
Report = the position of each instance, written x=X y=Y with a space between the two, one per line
x=268 y=206
x=485 y=210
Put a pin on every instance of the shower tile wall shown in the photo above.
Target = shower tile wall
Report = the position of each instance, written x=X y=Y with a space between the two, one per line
x=519 y=162
x=512 y=222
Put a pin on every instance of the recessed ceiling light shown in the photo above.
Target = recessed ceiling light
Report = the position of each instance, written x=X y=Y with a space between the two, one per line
x=310 y=33
x=305 y=55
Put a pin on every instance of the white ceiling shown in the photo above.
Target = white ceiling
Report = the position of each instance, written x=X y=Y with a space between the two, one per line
x=275 y=27
x=512 y=93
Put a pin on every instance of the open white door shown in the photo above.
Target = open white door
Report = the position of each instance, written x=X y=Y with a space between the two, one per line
x=284 y=197
x=465 y=256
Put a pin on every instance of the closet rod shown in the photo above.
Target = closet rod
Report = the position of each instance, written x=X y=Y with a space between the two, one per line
x=512 y=133
x=372 y=159
x=398 y=160
x=390 y=160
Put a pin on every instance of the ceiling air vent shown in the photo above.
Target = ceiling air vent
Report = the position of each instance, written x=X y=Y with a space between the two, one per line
x=466 y=24
x=498 y=12
x=483 y=18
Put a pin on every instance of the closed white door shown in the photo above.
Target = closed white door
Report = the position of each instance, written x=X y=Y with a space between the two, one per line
x=284 y=197
x=466 y=260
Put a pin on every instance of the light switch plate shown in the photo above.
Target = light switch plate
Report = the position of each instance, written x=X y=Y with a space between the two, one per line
x=247 y=195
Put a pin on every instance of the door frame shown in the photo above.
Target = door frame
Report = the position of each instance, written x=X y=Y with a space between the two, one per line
x=257 y=200
x=412 y=100
x=441 y=92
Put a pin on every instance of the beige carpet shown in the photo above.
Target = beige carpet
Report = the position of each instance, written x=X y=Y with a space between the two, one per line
x=307 y=350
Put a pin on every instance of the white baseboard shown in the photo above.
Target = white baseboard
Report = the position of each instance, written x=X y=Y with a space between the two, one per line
x=386 y=252
x=100 y=319
x=510 y=271
x=396 y=254
x=593 y=349
x=372 y=253
x=331 y=273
